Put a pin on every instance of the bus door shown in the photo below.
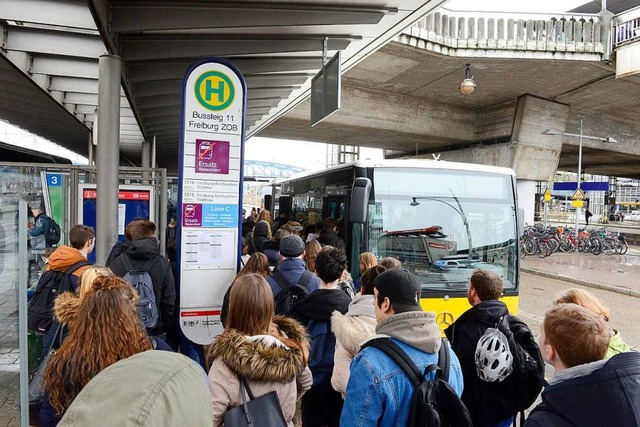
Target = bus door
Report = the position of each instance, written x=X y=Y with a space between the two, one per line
x=338 y=207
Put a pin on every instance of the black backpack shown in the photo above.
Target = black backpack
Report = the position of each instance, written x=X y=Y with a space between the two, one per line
x=52 y=234
x=521 y=388
x=434 y=403
x=51 y=284
x=290 y=295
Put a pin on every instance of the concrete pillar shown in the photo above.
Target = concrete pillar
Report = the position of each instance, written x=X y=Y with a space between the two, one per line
x=527 y=198
x=107 y=155
x=605 y=33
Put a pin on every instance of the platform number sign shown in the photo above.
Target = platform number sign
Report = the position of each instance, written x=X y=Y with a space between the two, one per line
x=210 y=193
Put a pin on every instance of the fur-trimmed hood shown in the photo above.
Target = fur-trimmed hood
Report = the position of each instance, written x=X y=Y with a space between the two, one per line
x=264 y=357
x=66 y=306
x=357 y=325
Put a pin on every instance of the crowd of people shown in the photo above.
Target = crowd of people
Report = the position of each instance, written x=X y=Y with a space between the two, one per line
x=300 y=333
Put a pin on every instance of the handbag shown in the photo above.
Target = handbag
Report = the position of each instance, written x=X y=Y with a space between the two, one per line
x=264 y=411
x=36 y=385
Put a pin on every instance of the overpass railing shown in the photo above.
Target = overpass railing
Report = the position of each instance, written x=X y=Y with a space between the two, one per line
x=626 y=27
x=504 y=31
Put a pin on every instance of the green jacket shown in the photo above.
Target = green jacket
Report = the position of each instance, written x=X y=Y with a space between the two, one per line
x=616 y=345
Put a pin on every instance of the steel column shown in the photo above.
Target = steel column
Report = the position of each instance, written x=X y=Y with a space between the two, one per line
x=163 y=211
x=108 y=152
x=22 y=312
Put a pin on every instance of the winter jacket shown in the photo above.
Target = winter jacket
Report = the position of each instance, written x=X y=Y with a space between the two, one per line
x=271 y=248
x=606 y=396
x=379 y=392
x=480 y=397
x=328 y=237
x=266 y=362
x=315 y=313
x=63 y=258
x=350 y=330
x=38 y=233
x=259 y=235
x=153 y=388
x=292 y=270
x=139 y=253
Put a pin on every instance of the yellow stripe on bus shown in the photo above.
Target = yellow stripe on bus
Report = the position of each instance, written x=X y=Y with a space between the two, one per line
x=448 y=310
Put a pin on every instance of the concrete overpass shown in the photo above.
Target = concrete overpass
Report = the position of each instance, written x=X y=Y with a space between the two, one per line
x=532 y=74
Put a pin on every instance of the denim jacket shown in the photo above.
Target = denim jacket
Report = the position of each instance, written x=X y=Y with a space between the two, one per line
x=379 y=393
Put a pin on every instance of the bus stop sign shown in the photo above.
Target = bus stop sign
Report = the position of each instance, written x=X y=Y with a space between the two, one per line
x=209 y=193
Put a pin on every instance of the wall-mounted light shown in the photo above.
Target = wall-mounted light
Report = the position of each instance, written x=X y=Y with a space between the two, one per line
x=468 y=85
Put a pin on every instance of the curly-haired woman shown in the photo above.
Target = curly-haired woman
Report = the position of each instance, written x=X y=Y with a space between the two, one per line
x=103 y=329
x=269 y=352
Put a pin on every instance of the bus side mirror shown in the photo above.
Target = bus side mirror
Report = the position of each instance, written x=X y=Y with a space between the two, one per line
x=359 y=200
x=520 y=219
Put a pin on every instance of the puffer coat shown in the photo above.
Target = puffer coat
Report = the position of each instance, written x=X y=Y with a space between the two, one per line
x=268 y=363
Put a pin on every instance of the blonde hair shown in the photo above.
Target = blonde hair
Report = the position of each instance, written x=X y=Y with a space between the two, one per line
x=584 y=299
x=367 y=260
x=264 y=215
x=89 y=275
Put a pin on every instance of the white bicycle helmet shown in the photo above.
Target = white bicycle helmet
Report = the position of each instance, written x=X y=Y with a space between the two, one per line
x=494 y=361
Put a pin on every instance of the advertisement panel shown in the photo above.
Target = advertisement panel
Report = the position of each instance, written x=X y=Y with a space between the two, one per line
x=134 y=202
x=210 y=193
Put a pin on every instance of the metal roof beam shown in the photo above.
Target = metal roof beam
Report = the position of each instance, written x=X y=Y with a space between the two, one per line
x=142 y=71
x=139 y=17
x=72 y=84
x=65 y=66
x=55 y=13
x=54 y=42
x=163 y=48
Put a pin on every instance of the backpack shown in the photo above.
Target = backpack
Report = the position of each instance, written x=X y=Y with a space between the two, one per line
x=433 y=403
x=347 y=288
x=141 y=281
x=290 y=295
x=321 y=353
x=51 y=284
x=520 y=389
x=52 y=234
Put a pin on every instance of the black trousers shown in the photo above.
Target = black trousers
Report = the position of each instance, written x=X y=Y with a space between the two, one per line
x=321 y=408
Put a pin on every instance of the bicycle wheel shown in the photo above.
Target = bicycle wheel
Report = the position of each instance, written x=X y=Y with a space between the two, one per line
x=624 y=246
x=596 y=245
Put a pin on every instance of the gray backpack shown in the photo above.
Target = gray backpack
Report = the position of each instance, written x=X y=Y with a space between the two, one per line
x=140 y=280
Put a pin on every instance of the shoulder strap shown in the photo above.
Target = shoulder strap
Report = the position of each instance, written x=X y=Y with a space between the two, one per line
x=147 y=265
x=245 y=384
x=127 y=263
x=444 y=361
x=68 y=272
x=305 y=279
x=280 y=280
x=393 y=350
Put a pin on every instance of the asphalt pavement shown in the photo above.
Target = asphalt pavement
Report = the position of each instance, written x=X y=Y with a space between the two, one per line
x=615 y=273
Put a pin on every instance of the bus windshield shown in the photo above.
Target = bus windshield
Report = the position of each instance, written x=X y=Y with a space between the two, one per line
x=443 y=224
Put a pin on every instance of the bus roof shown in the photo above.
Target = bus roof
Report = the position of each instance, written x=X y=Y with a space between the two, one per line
x=404 y=163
